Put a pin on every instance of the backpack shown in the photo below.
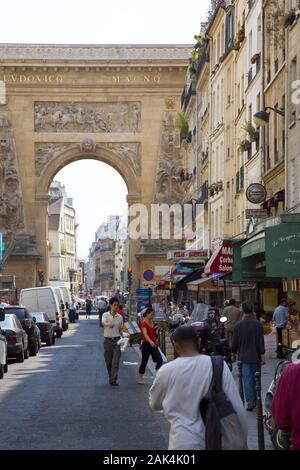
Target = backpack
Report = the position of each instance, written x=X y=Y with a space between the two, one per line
x=223 y=430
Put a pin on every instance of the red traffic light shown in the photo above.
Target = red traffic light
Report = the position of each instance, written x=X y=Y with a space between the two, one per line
x=40 y=271
x=130 y=270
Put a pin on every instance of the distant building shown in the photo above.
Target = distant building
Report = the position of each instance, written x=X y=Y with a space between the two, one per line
x=62 y=229
x=108 y=257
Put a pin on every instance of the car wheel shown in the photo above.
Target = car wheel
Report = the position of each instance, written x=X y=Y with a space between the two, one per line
x=49 y=341
x=34 y=350
x=5 y=367
x=1 y=371
x=20 y=356
x=26 y=354
x=59 y=334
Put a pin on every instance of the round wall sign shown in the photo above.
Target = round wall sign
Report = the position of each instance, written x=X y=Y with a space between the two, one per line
x=256 y=193
x=148 y=275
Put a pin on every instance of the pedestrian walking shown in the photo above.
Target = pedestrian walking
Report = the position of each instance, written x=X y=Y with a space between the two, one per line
x=149 y=346
x=180 y=387
x=286 y=403
x=281 y=317
x=113 y=328
x=249 y=346
x=88 y=307
x=233 y=315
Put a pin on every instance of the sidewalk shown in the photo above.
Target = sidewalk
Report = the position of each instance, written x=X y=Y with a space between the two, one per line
x=267 y=377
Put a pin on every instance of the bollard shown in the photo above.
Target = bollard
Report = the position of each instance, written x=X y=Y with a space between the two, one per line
x=241 y=386
x=259 y=413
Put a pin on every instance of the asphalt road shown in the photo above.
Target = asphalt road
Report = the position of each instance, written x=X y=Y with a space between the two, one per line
x=61 y=399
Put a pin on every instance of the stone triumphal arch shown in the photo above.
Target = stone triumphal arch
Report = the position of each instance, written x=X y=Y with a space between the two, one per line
x=116 y=104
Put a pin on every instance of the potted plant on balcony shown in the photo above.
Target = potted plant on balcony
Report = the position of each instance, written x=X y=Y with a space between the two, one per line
x=251 y=130
x=183 y=126
x=245 y=145
x=219 y=186
x=241 y=33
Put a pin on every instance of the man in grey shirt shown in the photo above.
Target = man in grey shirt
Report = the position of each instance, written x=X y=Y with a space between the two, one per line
x=281 y=317
x=113 y=326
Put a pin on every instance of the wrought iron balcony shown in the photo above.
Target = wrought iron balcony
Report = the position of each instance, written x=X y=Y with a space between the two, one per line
x=186 y=96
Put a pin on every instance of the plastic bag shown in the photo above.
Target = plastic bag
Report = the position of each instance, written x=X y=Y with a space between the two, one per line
x=123 y=343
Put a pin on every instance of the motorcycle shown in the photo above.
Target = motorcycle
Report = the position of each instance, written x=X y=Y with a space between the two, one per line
x=281 y=440
x=213 y=341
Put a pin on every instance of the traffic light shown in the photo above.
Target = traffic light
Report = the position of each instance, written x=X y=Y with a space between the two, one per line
x=41 y=277
x=129 y=276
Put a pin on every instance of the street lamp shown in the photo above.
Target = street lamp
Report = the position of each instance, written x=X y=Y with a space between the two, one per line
x=262 y=118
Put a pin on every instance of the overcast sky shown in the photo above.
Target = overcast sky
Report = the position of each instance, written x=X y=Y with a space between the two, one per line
x=97 y=189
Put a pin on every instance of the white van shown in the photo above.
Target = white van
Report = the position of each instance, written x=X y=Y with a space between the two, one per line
x=43 y=299
x=64 y=313
x=67 y=295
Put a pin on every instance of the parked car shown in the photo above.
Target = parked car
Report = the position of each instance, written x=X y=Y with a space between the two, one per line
x=3 y=348
x=62 y=307
x=43 y=299
x=16 y=337
x=28 y=325
x=46 y=328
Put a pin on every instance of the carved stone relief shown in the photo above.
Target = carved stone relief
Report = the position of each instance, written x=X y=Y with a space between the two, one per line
x=129 y=152
x=87 y=117
x=11 y=205
x=168 y=187
x=44 y=153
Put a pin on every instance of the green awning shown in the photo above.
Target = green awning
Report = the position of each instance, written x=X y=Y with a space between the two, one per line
x=254 y=246
x=283 y=251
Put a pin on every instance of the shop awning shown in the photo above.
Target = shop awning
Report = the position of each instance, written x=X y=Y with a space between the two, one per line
x=283 y=251
x=254 y=246
x=196 y=285
x=221 y=260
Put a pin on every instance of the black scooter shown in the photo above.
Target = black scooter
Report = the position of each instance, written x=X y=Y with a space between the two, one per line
x=281 y=440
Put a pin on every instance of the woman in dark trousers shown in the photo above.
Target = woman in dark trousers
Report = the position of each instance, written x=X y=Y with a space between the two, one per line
x=149 y=344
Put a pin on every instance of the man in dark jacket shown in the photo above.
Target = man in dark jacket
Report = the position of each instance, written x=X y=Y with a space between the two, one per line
x=248 y=344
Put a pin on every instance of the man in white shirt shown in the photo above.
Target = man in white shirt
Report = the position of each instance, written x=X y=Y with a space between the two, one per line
x=179 y=388
x=113 y=326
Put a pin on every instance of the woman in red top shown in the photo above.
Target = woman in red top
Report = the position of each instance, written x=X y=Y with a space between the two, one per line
x=149 y=344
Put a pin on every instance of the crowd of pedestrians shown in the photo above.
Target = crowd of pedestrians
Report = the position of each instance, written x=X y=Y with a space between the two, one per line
x=193 y=374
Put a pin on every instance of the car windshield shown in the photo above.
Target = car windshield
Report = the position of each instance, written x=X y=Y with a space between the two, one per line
x=39 y=317
x=19 y=312
x=7 y=323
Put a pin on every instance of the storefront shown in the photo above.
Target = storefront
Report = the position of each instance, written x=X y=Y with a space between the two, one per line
x=268 y=258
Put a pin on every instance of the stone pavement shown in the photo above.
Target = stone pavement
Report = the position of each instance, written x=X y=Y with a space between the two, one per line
x=267 y=377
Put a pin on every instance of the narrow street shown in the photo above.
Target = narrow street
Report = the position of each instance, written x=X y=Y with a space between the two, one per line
x=61 y=400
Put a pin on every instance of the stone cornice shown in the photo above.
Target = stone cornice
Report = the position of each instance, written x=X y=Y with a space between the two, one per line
x=107 y=53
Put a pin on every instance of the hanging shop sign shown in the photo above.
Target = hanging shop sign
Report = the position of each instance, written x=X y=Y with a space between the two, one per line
x=256 y=193
x=256 y=214
x=188 y=254
x=221 y=261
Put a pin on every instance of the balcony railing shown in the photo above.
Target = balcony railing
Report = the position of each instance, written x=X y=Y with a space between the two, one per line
x=203 y=193
x=250 y=76
x=185 y=98
x=203 y=60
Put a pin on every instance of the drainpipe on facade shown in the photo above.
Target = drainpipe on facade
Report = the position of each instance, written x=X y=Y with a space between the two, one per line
x=210 y=133
x=286 y=140
x=263 y=146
